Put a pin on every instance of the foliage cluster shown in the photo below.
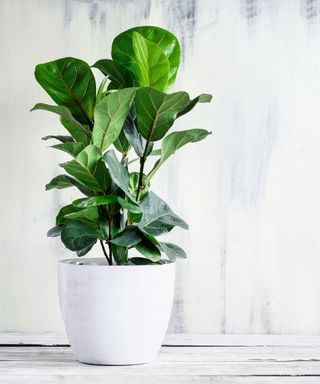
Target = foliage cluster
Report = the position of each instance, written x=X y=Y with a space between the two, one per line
x=131 y=112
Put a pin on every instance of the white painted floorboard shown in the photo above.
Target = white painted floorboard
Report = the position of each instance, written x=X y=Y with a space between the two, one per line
x=186 y=358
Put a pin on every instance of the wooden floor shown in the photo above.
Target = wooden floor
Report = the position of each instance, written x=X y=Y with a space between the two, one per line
x=226 y=359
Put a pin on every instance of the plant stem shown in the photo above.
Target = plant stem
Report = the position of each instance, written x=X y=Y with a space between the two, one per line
x=139 y=189
x=110 y=233
x=126 y=255
x=105 y=252
x=123 y=158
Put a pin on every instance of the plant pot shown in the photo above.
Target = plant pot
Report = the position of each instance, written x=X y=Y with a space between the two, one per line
x=115 y=315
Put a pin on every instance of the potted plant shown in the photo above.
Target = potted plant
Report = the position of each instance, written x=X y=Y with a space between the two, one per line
x=116 y=308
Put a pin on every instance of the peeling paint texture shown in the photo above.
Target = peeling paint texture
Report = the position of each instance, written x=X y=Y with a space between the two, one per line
x=250 y=192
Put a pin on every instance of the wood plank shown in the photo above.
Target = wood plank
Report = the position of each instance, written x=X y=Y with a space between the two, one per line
x=52 y=338
x=267 y=361
x=213 y=359
x=241 y=340
x=160 y=368
x=177 y=354
x=154 y=379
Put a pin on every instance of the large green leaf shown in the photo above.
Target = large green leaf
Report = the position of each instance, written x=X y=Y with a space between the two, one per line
x=65 y=181
x=157 y=216
x=109 y=116
x=89 y=169
x=72 y=149
x=129 y=237
x=118 y=172
x=173 y=142
x=144 y=261
x=122 y=144
x=148 y=247
x=76 y=235
x=70 y=212
x=123 y=51
x=172 y=251
x=76 y=129
x=157 y=111
x=176 y=140
x=133 y=137
x=87 y=215
x=84 y=251
x=203 y=98
x=153 y=65
x=116 y=72
x=69 y=82
x=119 y=254
x=60 y=219
x=130 y=206
x=95 y=201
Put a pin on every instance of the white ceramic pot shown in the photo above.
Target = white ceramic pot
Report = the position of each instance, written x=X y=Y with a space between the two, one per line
x=115 y=315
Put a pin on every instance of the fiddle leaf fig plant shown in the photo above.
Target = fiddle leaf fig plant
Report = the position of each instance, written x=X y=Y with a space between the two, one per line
x=115 y=133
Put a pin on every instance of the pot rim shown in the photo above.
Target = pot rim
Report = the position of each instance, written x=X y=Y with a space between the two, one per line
x=102 y=262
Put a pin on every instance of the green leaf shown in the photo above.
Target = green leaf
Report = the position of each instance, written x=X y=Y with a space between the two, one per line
x=119 y=254
x=157 y=216
x=101 y=91
x=172 y=251
x=76 y=235
x=116 y=72
x=105 y=200
x=131 y=133
x=76 y=129
x=131 y=207
x=176 y=140
x=118 y=173
x=72 y=149
x=63 y=139
x=54 y=231
x=129 y=237
x=84 y=251
x=70 y=212
x=69 y=82
x=89 y=169
x=156 y=152
x=173 y=142
x=134 y=182
x=60 y=219
x=88 y=215
x=203 y=98
x=65 y=181
x=153 y=65
x=143 y=261
x=123 y=51
x=157 y=111
x=109 y=116
x=148 y=249
x=122 y=144
x=94 y=201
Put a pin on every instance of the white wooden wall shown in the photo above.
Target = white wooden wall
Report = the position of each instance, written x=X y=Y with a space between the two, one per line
x=250 y=192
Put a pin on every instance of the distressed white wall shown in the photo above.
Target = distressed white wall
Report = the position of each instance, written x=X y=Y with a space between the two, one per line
x=250 y=192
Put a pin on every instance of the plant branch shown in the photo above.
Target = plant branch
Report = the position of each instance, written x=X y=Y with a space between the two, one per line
x=105 y=252
x=140 y=186
x=110 y=233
